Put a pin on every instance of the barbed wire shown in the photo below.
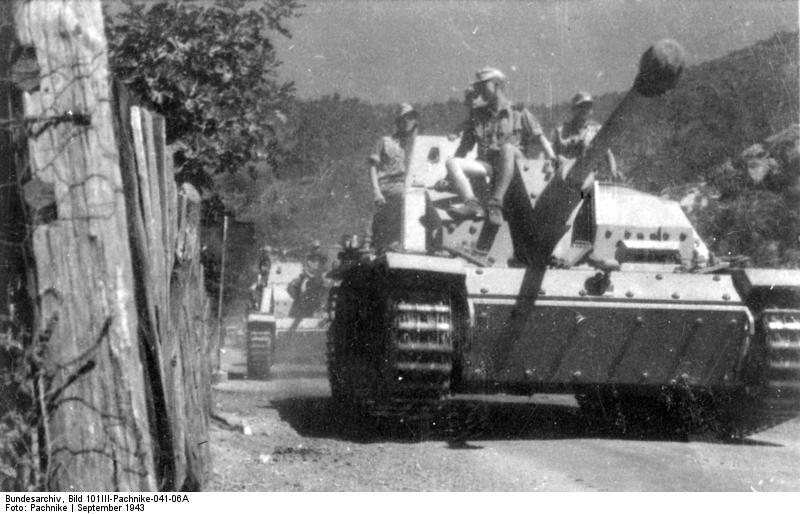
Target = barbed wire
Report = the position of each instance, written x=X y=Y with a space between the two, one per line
x=69 y=188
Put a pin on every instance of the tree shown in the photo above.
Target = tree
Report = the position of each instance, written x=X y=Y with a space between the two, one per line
x=211 y=70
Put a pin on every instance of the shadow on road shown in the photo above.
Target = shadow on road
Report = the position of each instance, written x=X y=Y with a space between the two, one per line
x=461 y=423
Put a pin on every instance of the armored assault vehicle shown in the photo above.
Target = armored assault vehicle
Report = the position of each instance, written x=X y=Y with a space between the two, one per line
x=289 y=322
x=589 y=287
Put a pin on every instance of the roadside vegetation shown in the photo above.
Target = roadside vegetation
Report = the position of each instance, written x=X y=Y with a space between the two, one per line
x=289 y=171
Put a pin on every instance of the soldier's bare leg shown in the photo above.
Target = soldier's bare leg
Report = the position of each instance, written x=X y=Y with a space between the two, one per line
x=458 y=172
x=508 y=156
x=460 y=169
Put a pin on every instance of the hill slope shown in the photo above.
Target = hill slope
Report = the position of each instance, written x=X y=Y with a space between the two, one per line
x=720 y=108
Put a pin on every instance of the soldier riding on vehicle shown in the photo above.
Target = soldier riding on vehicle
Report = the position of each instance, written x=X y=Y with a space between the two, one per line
x=573 y=138
x=387 y=171
x=502 y=133
x=309 y=289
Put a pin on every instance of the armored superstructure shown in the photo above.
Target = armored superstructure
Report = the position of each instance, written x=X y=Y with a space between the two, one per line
x=589 y=287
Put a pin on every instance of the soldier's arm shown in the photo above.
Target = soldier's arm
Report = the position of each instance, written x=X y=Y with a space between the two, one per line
x=376 y=188
x=548 y=150
x=533 y=130
x=373 y=161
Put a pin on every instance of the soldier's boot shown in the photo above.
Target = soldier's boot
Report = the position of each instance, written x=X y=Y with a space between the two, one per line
x=471 y=208
x=443 y=185
x=494 y=211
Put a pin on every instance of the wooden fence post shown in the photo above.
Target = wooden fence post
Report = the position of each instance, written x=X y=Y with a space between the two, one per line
x=98 y=420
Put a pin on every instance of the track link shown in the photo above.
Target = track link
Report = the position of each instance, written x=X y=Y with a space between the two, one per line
x=391 y=357
x=780 y=394
x=419 y=356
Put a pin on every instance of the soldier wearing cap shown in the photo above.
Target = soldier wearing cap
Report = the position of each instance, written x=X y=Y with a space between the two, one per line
x=387 y=172
x=573 y=137
x=501 y=132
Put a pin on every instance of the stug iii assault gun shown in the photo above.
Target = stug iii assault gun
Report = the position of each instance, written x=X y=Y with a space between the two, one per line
x=588 y=287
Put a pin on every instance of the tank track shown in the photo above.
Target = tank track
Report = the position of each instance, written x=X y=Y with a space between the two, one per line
x=395 y=363
x=782 y=330
x=419 y=357
x=777 y=398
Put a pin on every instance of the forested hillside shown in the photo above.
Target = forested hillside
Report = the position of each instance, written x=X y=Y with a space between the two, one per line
x=320 y=189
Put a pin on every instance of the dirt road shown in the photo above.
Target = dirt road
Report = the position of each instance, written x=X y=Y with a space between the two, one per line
x=286 y=435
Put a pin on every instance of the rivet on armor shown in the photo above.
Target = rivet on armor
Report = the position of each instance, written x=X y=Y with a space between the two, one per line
x=682 y=236
x=526 y=168
x=629 y=294
x=645 y=376
x=676 y=295
x=627 y=235
x=717 y=278
x=698 y=322
x=451 y=229
x=576 y=375
x=528 y=373
x=472 y=229
x=608 y=234
x=726 y=296
x=582 y=292
x=733 y=322
x=479 y=271
x=659 y=276
x=490 y=260
x=639 y=320
x=639 y=236
x=665 y=236
x=484 y=290
x=533 y=195
x=542 y=292
x=673 y=382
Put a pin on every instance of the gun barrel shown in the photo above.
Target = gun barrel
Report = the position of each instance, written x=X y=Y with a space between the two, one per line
x=660 y=68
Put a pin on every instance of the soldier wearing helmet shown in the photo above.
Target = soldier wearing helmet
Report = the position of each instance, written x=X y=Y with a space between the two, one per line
x=309 y=289
x=501 y=132
x=387 y=172
x=573 y=137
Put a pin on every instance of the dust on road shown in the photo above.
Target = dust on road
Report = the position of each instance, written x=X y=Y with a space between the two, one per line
x=287 y=435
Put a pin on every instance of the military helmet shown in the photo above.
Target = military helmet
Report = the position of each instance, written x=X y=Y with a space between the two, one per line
x=489 y=74
x=582 y=98
x=406 y=109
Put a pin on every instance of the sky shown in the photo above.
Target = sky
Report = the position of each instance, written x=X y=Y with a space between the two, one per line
x=389 y=51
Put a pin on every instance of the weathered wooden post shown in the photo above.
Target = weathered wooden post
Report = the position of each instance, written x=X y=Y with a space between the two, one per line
x=219 y=375
x=99 y=435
